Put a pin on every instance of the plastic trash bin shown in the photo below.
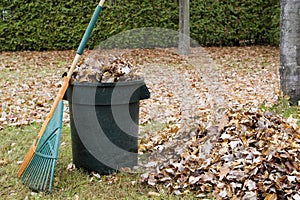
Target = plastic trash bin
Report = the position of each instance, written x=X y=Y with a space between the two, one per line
x=104 y=121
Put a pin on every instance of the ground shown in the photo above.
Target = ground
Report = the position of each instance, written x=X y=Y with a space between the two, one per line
x=229 y=75
x=194 y=100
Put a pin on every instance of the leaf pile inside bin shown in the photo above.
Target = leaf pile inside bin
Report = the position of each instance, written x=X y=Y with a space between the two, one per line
x=105 y=69
x=256 y=155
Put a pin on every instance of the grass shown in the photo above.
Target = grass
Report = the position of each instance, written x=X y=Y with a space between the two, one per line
x=74 y=184
x=285 y=109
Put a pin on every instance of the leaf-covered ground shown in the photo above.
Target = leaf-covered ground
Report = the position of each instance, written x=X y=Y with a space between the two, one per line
x=224 y=76
x=207 y=133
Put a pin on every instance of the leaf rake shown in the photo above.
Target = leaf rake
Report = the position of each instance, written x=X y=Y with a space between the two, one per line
x=40 y=170
x=37 y=168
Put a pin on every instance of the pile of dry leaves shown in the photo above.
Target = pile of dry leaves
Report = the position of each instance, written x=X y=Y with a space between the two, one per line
x=105 y=69
x=256 y=155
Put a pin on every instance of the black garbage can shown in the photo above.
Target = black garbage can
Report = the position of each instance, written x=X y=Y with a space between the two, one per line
x=104 y=121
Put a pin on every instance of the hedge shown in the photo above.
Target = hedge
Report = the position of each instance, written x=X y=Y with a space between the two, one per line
x=57 y=25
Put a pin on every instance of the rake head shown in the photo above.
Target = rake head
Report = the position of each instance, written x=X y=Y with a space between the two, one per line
x=39 y=173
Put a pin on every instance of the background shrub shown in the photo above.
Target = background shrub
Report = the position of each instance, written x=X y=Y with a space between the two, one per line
x=56 y=25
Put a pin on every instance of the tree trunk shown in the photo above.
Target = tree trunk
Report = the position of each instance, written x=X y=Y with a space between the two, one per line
x=290 y=49
x=184 y=27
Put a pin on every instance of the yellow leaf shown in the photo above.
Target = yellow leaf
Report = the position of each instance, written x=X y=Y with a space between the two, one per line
x=271 y=197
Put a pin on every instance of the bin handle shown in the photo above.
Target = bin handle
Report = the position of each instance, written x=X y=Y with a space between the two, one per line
x=144 y=92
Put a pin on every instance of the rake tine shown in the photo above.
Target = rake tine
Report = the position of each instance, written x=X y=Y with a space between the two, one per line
x=50 y=163
x=30 y=176
x=40 y=173
x=25 y=176
x=52 y=177
x=43 y=181
x=47 y=174
x=35 y=175
x=44 y=172
x=51 y=170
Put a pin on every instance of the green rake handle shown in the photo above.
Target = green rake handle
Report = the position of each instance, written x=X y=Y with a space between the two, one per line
x=86 y=37
x=89 y=29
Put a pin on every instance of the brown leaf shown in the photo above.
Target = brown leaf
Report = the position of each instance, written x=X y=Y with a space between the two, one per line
x=151 y=194
x=223 y=172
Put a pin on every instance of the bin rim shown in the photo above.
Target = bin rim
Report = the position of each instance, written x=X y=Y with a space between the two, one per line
x=107 y=84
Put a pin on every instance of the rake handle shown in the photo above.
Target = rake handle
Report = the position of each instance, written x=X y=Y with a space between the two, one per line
x=90 y=28
x=85 y=37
